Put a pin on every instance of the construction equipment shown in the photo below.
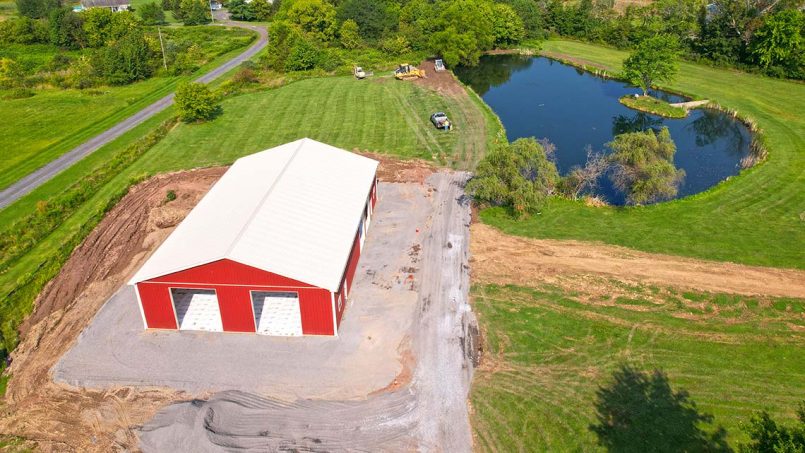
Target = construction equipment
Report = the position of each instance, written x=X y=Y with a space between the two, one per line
x=359 y=73
x=439 y=65
x=407 y=72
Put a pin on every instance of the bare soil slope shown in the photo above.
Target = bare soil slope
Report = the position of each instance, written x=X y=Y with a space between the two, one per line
x=499 y=258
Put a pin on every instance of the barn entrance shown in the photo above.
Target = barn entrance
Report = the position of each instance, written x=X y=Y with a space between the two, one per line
x=197 y=309
x=277 y=313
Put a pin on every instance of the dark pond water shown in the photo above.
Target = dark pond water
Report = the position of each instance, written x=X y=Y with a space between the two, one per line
x=538 y=97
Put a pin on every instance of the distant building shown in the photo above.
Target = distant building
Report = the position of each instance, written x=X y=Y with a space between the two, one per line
x=114 y=5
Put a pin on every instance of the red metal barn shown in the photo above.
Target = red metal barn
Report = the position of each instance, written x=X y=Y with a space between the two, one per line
x=272 y=248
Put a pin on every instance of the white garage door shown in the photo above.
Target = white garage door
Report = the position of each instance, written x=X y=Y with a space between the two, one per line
x=277 y=313
x=197 y=309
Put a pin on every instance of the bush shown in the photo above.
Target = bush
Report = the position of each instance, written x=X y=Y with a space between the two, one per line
x=772 y=437
x=283 y=38
x=194 y=12
x=240 y=10
x=196 y=102
x=303 y=56
x=518 y=176
x=12 y=74
x=23 y=30
x=127 y=60
x=396 y=45
x=66 y=29
x=245 y=76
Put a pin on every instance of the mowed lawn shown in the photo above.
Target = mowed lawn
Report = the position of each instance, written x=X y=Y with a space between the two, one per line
x=547 y=351
x=54 y=121
x=755 y=218
x=381 y=115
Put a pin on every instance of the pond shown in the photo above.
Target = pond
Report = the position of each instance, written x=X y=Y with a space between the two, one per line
x=576 y=110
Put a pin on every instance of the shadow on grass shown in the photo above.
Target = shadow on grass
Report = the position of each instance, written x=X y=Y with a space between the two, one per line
x=640 y=412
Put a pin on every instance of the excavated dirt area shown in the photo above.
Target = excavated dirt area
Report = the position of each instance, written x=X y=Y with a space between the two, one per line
x=441 y=81
x=504 y=259
x=62 y=419
x=425 y=404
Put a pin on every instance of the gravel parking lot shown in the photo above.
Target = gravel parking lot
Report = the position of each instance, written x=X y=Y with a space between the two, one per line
x=368 y=354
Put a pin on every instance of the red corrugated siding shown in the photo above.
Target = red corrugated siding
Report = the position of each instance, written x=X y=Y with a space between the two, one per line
x=228 y=272
x=352 y=265
x=235 y=303
x=317 y=311
x=157 y=306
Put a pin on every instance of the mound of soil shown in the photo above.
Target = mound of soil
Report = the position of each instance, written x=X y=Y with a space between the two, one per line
x=441 y=81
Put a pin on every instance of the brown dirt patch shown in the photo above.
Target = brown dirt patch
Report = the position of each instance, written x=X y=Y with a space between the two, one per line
x=503 y=259
x=392 y=169
x=62 y=419
x=442 y=81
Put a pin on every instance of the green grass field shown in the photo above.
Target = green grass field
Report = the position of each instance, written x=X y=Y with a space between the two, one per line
x=548 y=350
x=54 y=121
x=380 y=115
x=755 y=218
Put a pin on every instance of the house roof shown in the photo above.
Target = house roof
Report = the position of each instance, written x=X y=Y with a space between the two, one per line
x=104 y=3
x=292 y=210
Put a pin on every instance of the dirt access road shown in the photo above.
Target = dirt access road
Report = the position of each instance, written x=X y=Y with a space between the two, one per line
x=500 y=258
x=42 y=175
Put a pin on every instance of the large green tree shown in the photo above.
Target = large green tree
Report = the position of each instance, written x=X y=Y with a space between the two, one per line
x=769 y=436
x=643 y=166
x=194 y=12
x=780 y=42
x=465 y=28
x=66 y=29
x=507 y=25
x=152 y=14
x=654 y=60
x=127 y=59
x=316 y=18
x=374 y=17
x=518 y=176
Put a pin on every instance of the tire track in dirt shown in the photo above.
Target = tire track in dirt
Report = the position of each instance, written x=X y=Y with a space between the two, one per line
x=504 y=259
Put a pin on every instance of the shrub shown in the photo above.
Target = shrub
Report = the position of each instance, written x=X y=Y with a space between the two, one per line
x=127 y=60
x=66 y=29
x=303 y=56
x=170 y=196
x=518 y=176
x=194 y=12
x=24 y=30
x=245 y=76
x=196 y=102
x=12 y=74
x=396 y=45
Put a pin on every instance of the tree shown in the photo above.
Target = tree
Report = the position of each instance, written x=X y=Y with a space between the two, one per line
x=194 y=12
x=779 y=42
x=531 y=16
x=152 y=14
x=464 y=29
x=508 y=27
x=126 y=60
x=262 y=9
x=316 y=18
x=349 y=35
x=283 y=38
x=97 y=25
x=653 y=61
x=37 y=9
x=644 y=166
x=518 y=176
x=196 y=102
x=66 y=29
x=24 y=30
x=240 y=10
x=303 y=56
x=770 y=437
x=374 y=17
x=640 y=412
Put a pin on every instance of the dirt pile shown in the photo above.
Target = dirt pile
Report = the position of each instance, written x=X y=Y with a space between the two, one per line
x=441 y=81
x=504 y=259
x=61 y=419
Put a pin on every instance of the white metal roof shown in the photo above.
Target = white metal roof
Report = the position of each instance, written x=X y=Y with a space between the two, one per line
x=292 y=210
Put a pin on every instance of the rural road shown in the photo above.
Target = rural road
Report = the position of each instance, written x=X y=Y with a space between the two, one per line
x=48 y=171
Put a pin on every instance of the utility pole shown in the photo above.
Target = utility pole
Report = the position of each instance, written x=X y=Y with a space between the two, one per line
x=162 y=45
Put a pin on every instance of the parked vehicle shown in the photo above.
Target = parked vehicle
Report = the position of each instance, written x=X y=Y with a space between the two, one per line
x=439 y=65
x=359 y=73
x=440 y=120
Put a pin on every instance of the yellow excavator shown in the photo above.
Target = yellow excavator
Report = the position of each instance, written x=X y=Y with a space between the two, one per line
x=407 y=72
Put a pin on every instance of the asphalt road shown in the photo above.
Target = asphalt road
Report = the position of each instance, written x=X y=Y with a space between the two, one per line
x=27 y=184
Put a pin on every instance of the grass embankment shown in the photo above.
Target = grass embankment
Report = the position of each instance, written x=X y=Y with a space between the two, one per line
x=378 y=115
x=653 y=105
x=755 y=218
x=549 y=350
x=55 y=120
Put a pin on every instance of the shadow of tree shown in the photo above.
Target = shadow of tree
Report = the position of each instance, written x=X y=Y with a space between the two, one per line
x=640 y=412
